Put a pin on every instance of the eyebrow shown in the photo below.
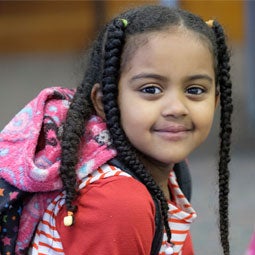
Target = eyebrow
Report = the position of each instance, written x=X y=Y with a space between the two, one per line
x=199 y=77
x=164 y=79
x=150 y=76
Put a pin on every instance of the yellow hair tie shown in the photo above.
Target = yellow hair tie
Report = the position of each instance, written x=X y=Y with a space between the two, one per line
x=210 y=23
x=68 y=220
x=125 y=22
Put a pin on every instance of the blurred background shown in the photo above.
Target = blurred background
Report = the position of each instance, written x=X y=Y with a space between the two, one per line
x=44 y=43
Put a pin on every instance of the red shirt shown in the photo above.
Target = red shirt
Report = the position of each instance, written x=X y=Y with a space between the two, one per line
x=115 y=216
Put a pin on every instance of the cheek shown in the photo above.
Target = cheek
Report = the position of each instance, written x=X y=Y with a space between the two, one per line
x=134 y=121
x=204 y=120
x=127 y=118
x=130 y=118
x=127 y=114
x=132 y=111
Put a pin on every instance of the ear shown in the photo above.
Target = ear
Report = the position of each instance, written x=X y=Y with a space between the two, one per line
x=96 y=98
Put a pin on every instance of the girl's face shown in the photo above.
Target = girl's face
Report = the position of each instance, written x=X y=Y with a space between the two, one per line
x=167 y=96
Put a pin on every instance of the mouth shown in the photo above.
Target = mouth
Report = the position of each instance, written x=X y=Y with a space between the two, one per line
x=173 y=132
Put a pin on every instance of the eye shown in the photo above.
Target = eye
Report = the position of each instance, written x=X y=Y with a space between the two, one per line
x=196 y=91
x=151 y=90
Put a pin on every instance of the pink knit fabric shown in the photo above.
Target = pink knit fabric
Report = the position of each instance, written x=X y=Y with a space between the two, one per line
x=20 y=164
x=30 y=153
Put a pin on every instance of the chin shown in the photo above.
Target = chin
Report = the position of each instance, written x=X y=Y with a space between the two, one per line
x=174 y=160
x=167 y=163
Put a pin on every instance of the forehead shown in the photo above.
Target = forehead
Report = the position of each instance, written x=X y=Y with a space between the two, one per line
x=144 y=40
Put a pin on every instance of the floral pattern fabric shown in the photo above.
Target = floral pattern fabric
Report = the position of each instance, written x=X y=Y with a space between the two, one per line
x=29 y=163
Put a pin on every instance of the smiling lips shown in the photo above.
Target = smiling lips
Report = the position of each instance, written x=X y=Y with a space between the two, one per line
x=173 y=132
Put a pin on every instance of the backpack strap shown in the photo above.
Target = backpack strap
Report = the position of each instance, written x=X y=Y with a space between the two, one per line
x=184 y=180
x=183 y=176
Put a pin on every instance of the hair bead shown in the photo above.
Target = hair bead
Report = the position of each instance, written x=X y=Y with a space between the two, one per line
x=125 y=22
x=210 y=23
x=68 y=220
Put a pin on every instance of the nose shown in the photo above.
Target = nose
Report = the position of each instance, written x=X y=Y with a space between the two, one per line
x=175 y=105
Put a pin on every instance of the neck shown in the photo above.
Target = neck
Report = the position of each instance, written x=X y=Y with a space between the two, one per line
x=160 y=173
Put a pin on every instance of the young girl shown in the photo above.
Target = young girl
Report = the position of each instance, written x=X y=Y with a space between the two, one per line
x=148 y=98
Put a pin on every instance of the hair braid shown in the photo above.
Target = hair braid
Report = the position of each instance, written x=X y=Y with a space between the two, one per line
x=225 y=132
x=79 y=112
x=73 y=131
x=113 y=50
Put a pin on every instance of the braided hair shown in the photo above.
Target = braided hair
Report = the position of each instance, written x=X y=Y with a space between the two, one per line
x=109 y=54
x=225 y=87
